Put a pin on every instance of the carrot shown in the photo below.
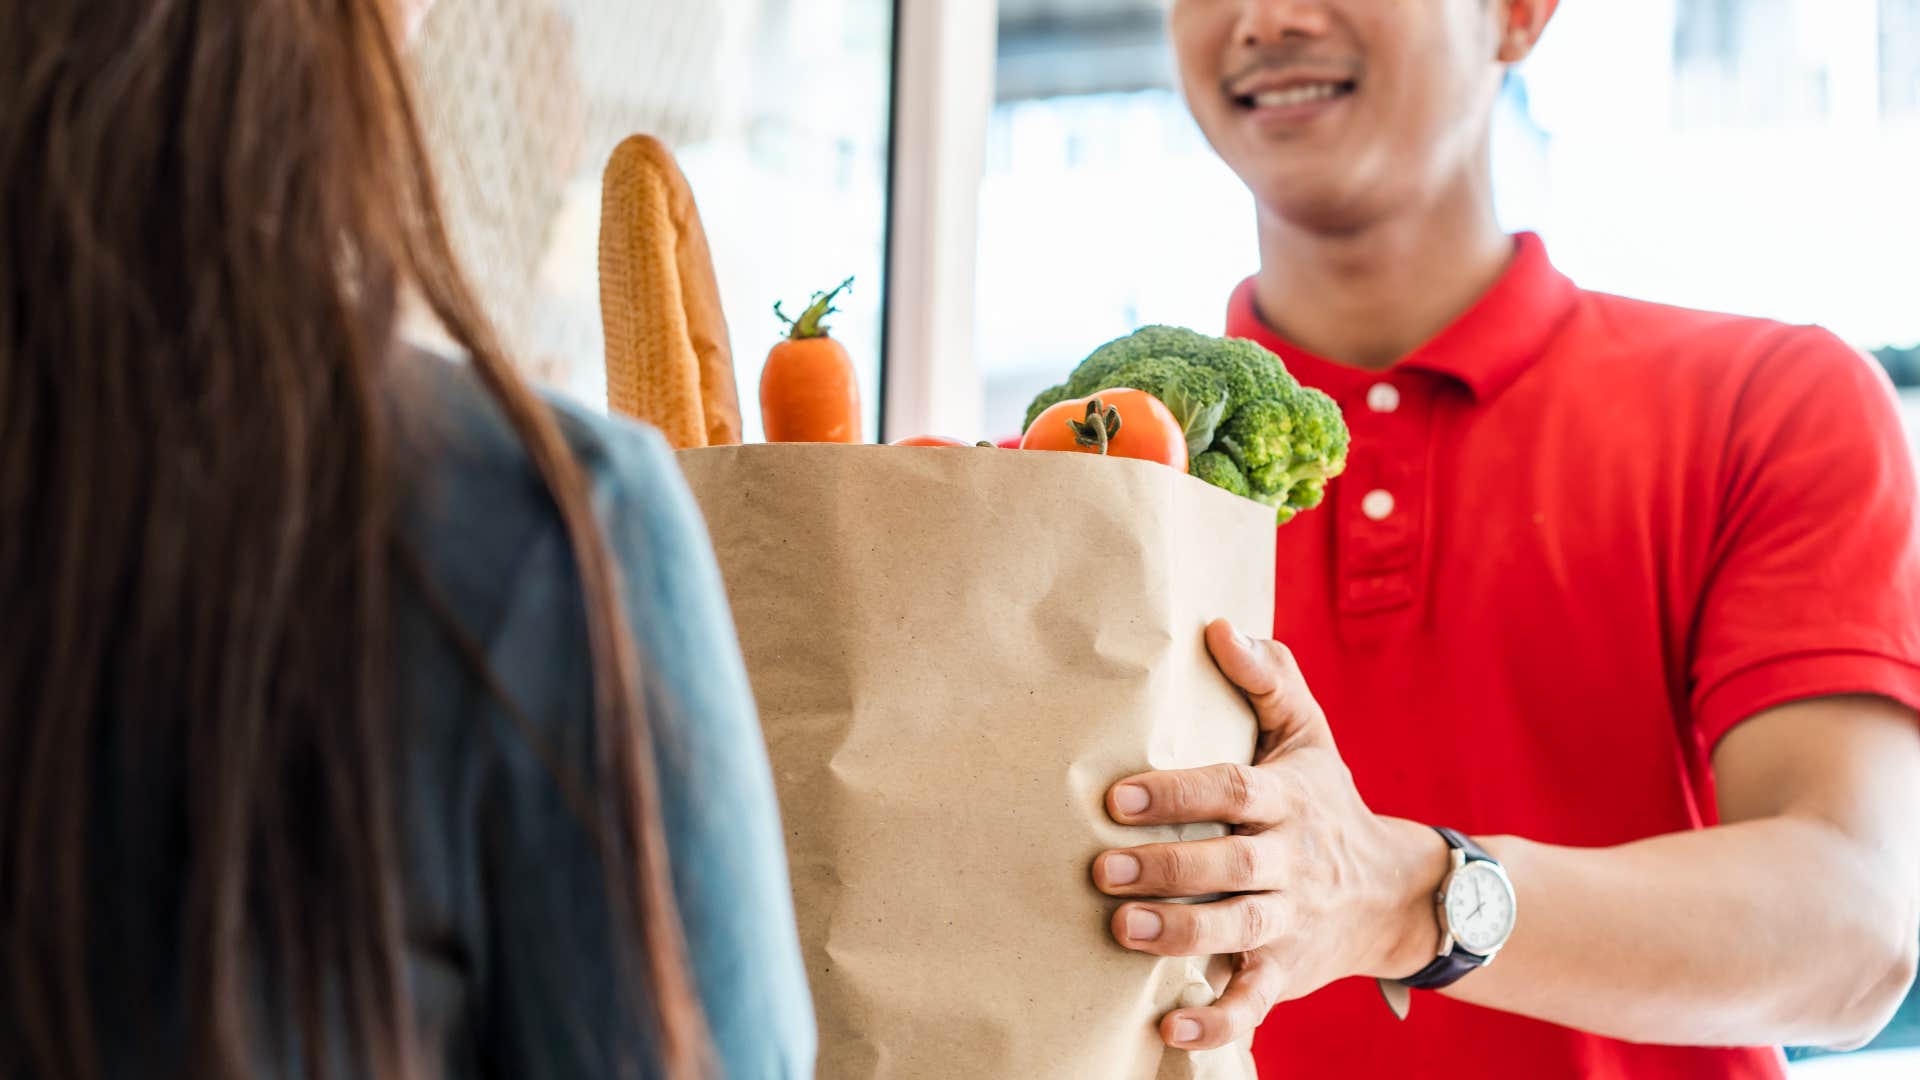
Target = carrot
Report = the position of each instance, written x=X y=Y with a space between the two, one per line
x=808 y=392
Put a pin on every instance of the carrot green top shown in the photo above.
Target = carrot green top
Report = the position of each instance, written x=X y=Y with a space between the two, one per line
x=809 y=324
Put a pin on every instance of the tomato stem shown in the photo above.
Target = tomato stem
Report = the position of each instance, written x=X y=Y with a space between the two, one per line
x=1099 y=428
x=809 y=324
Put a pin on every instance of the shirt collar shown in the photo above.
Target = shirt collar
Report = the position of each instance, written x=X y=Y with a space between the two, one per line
x=1485 y=349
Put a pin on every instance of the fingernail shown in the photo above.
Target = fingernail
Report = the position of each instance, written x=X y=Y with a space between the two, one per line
x=1244 y=642
x=1130 y=799
x=1122 y=869
x=1186 y=1030
x=1143 y=925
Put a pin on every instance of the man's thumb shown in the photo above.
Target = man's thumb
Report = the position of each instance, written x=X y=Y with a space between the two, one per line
x=1243 y=660
x=1266 y=672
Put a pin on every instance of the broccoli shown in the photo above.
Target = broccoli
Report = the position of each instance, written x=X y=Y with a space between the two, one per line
x=1288 y=448
x=1219 y=470
x=1250 y=371
x=1164 y=342
x=1308 y=494
x=1271 y=439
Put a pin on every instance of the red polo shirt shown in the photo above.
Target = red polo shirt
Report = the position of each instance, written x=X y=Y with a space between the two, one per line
x=1580 y=539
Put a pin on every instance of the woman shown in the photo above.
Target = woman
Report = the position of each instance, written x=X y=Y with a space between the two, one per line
x=359 y=715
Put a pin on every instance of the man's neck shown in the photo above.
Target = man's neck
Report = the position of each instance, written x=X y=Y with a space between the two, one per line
x=1369 y=298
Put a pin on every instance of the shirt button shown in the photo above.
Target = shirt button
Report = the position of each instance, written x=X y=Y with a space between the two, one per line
x=1383 y=398
x=1378 y=505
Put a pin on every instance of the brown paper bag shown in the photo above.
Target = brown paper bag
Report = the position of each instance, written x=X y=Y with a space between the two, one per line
x=955 y=653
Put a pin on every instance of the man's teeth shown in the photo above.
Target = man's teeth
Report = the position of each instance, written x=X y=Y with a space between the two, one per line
x=1295 y=95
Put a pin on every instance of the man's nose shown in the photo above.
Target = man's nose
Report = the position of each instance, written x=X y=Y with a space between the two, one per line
x=1271 y=22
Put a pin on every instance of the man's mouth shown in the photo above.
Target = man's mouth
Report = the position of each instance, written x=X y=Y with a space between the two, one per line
x=1295 y=94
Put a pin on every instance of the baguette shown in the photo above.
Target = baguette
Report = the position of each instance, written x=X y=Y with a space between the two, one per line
x=668 y=359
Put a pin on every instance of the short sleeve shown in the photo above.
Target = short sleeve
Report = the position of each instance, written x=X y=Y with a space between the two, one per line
x=1813 y=586
x=717 y=792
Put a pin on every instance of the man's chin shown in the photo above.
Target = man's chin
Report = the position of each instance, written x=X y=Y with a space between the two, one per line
x=1318 y=205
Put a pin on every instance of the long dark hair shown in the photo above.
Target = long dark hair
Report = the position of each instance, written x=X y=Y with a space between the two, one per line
x=209 y=212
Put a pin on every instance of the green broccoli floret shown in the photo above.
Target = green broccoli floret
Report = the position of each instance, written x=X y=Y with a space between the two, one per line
x=1288 y=448
x=1250 y=371
x=1048 y=398
x=1162 y=371
x=1219 y=470
x=1258 y=436
x=1308 y=494
x=1165 y=342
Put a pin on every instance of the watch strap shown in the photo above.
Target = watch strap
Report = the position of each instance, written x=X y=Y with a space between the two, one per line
x=1445 y=970
x=1458 y=962
x=1464 y=843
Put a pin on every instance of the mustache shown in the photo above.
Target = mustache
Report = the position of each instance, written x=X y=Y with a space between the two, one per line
x=1287 y=57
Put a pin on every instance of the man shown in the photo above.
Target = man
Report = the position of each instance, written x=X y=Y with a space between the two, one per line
x=1628 y=594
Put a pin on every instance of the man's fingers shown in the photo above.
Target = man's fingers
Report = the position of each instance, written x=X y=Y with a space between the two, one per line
x=1252 y=993
x=1235 y=925
x=1233 y=794
x=1267 y=673
x=1227 y=864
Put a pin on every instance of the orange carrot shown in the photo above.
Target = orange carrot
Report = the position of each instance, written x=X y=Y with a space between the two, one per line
x=808 y=392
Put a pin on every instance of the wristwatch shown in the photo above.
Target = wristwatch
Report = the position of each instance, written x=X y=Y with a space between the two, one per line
x=1476 y=909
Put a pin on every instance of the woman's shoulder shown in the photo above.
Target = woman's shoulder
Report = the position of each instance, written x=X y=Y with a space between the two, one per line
x=473 y=504
x=495 y=565
x=453 y=425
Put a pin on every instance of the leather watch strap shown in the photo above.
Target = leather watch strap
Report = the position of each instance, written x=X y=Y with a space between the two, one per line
x=1451 y=968
x=1474 y=852
x=1445 y=970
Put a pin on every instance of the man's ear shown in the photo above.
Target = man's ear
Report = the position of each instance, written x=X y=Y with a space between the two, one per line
x=1524 y=21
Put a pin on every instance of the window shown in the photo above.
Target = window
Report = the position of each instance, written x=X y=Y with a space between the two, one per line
x=777 y=109
x=1792 y=202
x=1738 y=62
x=1900 y=60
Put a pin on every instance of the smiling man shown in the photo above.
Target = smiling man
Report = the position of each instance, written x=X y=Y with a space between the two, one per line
x=1616 y=619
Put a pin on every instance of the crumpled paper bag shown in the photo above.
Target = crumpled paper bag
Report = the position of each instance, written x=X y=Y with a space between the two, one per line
x=955 y=653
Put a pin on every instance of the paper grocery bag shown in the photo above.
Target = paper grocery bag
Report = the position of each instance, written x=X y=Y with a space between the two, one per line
x=955 y=653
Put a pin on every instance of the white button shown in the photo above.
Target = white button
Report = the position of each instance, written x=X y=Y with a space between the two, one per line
x=1378 y=505
x=1383 y=398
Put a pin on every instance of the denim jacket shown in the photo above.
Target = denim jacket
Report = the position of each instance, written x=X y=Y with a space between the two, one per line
x=511 y=956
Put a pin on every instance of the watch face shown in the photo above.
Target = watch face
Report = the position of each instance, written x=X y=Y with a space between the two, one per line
x=1480 y=908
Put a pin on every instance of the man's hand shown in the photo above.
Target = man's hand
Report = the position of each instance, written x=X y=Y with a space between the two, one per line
x=1324 y=888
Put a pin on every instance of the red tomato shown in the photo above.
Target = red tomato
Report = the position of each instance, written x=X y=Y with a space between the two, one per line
x=929 y=440
x=1145 y=429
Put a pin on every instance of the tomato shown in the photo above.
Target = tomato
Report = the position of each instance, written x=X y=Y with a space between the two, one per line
x=929 y=440
x=1146 y=428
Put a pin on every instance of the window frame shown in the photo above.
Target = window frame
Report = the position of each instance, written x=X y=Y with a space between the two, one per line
x=944 y=57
